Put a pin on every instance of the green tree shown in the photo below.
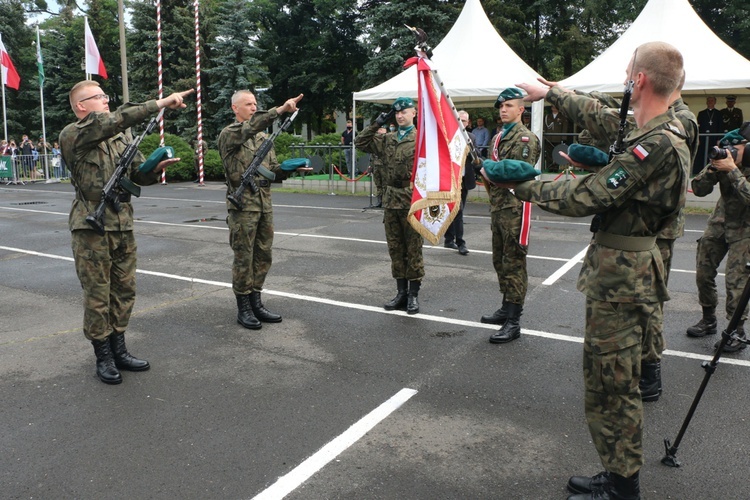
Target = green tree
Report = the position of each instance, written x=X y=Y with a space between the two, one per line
x=236 y=63
x=311 y=47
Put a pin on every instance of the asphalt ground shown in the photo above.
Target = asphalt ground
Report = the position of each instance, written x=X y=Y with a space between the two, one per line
x=342 y=399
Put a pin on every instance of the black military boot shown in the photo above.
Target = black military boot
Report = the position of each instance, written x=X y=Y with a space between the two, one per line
x=734 y=345
x=123 y=359
x=609 y=487
x=260 y=310
x=498 y=317
x=245 y=316
x=586 y=484
x=380 y=202
x=412 y=306
x=400 y=300
x=650 y=383
x=105 y=362
x=706 y=326
x=511 y=330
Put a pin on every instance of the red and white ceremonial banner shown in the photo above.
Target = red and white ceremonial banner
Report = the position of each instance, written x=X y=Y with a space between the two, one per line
x=10 y=75
x=94 y=62
x=439 y=157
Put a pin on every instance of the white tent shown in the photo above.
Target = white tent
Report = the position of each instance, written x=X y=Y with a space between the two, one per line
x=472 y=77
x=710 y=64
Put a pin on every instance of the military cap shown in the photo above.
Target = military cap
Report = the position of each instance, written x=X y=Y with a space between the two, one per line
x=731 y=97
x=588 y=155
x=159 y=155
x=508 y=94
x=509 y=170
x=402 y=103
x=732 y=138
x=293 y=164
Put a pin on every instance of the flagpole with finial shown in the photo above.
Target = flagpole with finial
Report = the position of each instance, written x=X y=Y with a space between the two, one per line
x=40 y=67
x=2 y=84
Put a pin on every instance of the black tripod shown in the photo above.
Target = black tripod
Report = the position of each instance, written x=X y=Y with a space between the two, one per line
x=710 y=366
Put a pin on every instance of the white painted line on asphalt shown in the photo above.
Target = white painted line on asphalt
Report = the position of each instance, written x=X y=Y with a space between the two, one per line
x=291 y=481
x=380 y=310
x=565 y=268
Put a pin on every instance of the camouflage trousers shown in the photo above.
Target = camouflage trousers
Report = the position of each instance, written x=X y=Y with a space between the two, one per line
x=611 y=372
x=508 y=255
x=654 y=342
x=106 y=269
x=708 y=258
x=377 y=179
x=404 y=245
x=251 y=238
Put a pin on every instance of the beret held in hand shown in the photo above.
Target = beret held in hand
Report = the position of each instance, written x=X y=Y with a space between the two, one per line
x=588 y=155
x=293 y=164
x=509 y=170
x=159 y=155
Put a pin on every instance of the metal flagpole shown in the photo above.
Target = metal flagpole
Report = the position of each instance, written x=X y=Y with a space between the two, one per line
x=41 y=100
x=2 y=84
x=198 y=106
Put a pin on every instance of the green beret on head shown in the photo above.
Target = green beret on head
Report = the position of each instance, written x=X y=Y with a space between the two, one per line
x=508 y=94
x=159 y=155
x=402 y=103
x=732 y=138
x=293 y=164
x=588 y=155
x=509 y=170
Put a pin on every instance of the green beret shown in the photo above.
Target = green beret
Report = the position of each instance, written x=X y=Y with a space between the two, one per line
x=159 y=155
x=508 y=94
x=402 y=103
x=293 y=164
x=509 y=170
x=732 y=138
x=588 y=155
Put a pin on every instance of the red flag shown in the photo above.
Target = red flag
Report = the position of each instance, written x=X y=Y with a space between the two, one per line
x=438 y=160
x=10 y=75
x=94 y=62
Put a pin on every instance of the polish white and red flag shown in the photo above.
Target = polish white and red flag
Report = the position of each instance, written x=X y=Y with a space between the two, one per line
x=10 y=75
x=94 y=62
x=439 y=157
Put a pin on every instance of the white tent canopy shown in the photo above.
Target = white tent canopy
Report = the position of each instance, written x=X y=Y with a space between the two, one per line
x=710 y=64
x=468 y=77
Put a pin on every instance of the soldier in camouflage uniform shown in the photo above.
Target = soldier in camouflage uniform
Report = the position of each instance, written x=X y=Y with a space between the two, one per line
x=91 y=148
x=604 y=135
x=623 y=274
x=510 y=218
x=251 y=228
x=727 y=235
x=404 y=243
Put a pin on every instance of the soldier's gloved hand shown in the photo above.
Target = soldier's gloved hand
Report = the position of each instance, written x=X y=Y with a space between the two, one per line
x=385 y=117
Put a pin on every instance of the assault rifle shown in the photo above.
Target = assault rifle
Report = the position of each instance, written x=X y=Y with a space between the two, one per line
x=119 y=182
x=255 y=167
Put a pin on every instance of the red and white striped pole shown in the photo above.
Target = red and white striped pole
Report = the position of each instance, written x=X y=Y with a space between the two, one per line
x=199 y=139
x=159 y=73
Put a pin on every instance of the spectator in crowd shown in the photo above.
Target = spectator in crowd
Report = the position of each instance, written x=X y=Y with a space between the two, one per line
x=731 y=116
x=454 y=236
x=482 y=136
x=346 y=141
x=710 y=121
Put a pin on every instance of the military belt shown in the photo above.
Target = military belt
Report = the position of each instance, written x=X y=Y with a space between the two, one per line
x=400 y=183
x=625 y=243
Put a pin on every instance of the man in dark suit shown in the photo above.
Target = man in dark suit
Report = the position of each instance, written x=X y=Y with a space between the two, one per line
x=454 y=236
x=710 y=121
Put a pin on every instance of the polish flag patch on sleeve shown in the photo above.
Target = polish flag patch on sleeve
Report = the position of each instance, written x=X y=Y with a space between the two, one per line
x=640 y=152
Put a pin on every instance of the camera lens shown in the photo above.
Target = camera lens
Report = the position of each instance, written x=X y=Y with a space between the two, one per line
x=717 y=153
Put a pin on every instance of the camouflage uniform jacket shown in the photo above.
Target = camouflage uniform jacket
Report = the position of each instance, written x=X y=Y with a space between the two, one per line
x=609 y=125
x=398 y=163
x=518 y=143
x=634 y=195
x=237 y=144
x=731 y=217
x=91 y=148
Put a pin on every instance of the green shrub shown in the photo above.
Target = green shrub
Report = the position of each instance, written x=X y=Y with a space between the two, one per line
x=182 y=170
